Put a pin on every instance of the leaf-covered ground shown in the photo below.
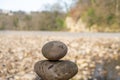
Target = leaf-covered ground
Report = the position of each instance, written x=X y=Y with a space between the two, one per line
x=94 y=56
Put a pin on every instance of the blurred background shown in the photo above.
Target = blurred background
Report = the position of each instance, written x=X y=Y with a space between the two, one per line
x=90 y=29
x=64 y=15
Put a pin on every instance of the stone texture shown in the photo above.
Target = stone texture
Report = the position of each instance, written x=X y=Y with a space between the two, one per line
x=55 y=70
x=54 y=50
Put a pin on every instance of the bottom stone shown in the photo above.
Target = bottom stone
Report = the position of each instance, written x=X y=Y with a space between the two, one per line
x=55 y=70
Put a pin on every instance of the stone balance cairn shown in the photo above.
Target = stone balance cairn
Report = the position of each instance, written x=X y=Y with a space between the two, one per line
x=54 y=68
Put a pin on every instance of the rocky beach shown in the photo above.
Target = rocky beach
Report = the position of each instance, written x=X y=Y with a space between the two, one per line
x=19 y=53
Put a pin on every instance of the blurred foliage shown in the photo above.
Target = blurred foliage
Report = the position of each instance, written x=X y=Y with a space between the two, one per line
x=45 y=20
x=105 y=14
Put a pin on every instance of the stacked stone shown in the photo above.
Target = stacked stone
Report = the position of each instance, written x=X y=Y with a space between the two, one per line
x=54 y=68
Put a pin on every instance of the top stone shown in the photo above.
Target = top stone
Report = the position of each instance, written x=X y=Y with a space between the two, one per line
x=54 y=50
